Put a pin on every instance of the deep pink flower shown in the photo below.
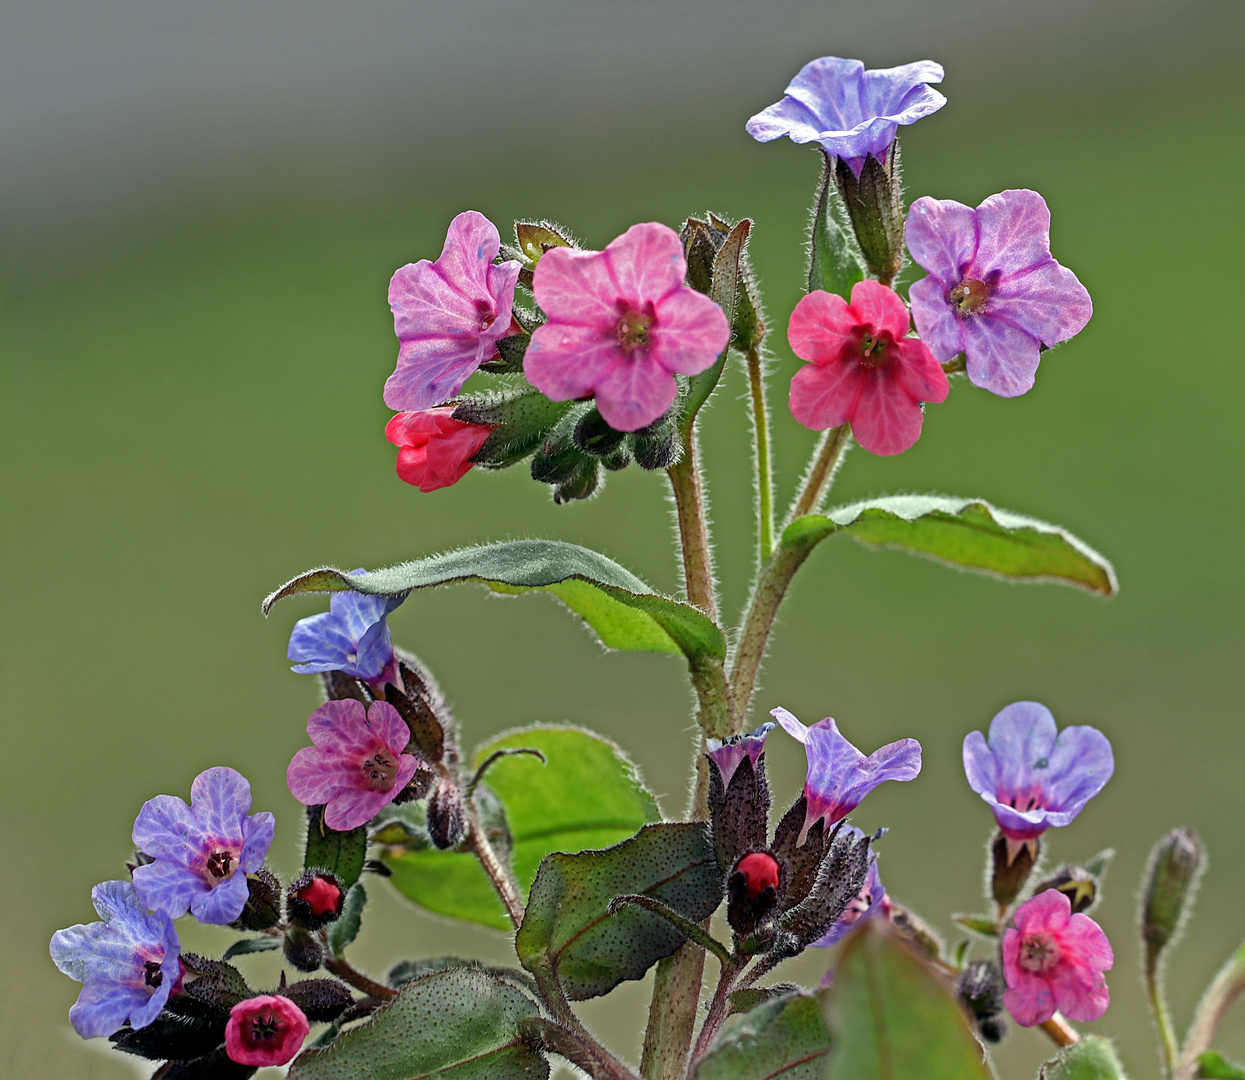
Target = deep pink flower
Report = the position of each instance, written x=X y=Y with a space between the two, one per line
x=357 y=765
x=994 y=292
x=434 y=449
x=863 y=368
x=449 y=314
x=265 y=1030
x=621 y=325
x=1053 y=962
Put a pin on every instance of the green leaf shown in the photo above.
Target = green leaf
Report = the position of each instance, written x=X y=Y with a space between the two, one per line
x=587 y=795
x=405 y=970
x=966 y=533
x=345 y=928
x=251 y=945
x=835 y=264
x=1092 y=1058
x=568 y=927
x=341 y=853
x=1213 y=1066
x=457 y=1024
x=892 y=1015
x=978 y=924
x=784 y=1038
x=624 y=612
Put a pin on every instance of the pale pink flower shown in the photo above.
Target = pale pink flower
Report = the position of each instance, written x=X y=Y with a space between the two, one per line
x=621 y=324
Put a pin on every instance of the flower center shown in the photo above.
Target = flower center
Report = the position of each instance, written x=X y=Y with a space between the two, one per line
x=969 y=297
x=1038 y=953
x=873 y=350
x=380 y=770
x=220 y=864
x=265 y=1025
x=633 y=328
x=485 y=314
x=152 y=975
x=1024 y=800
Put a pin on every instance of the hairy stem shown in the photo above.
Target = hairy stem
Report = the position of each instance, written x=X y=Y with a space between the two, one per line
x=1168 y=1045
x=557 y=1039
x=1229 y=984
x=347 y=973
x=1061 y=1032
x=696 y=934
x=607 y=1067
x=672 y=1014
x=761 y=458
x=718 y=1009
x=819 y=474
x=689 y=501
x=498 y=872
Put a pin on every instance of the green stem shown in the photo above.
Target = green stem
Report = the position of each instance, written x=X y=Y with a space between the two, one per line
x=347 y=973
x=672 y=1014
x=718 y=1009
x=698 y=935
x=1229 y=984
x=761 y=458
x=819 y=474
x=608 y=1067
x=1169 y=1047
x=689 y=502
x=555 y=1038
x=498 y=872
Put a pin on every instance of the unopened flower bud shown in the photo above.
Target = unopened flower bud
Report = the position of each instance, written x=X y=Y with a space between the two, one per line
x=315 y=899
x=302 y=950
x=321 y=1000
x=1076 y=883
x=1012 y=863
x=916 y=930
x=872 y=200
x=445 y=815
x=752 y=891
x=263 y=902
x=1175 y=866
x=980 y=986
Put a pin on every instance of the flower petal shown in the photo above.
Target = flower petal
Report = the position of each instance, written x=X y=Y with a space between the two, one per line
x=167 y=885
x=917 y=372
x=1047 y=301
x=943 y=237
x=887 y=420
x=689 y=332
x=565 y=360
x=823 y=396
x=220 y=799
x=940 y=328
x=386 y=724
x=223 y=903
x=880 y=308
x=1015 y=233
x=257 y=834
x=999 y=357
x=576 y=287
x=646 y=263
x=163 y=825
x=822 y=329
x=635 y=392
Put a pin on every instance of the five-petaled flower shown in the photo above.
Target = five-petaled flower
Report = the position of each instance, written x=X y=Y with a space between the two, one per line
x=352 y=636
x=1053 y=961
x=728 y=753
x=621 y=325
x=851 y=112
x=994 y=292
x=128 y=964
x=203 y=851
x=863 y=368
x=434 y=449
x=840 y=776
x=357 y=765
x=872 y=897
x=449 y=314
x=265 y=1030
x=1032 y=775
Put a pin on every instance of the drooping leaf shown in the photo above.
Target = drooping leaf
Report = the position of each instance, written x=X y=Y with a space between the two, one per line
x=568 y=926
x=978 y=924
x=786 y=1038
x=251 y=945
x=345 y=928
x=891 y=1015
x=623 y=611
x=456 y=1024
x=1092 y=1058
x=341 y=853
x=1213 y=1066
x=586 y=795
x=966 y=533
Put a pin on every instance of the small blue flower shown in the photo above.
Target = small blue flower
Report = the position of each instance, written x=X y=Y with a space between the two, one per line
x=726 y=754
x=852 y=112
x=128 y=964
x=1033 y=775
x=352 y=636
x=203 y=851
x=840 y=776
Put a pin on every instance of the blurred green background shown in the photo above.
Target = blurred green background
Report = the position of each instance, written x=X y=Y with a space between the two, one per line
x=194 y=335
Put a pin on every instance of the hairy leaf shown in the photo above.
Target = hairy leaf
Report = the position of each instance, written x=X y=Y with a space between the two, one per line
x=345 y=928
x=786 y=1038
x=341 y=853
x=966 y=533
x=1092 y=1058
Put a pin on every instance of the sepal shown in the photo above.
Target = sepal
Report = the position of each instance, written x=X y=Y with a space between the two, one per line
x=263 y=902
x=873 y=201
x=322 y=1000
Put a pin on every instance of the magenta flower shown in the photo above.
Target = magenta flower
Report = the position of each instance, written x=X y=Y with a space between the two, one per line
x=449 y=314
x=265 y=1030
x=621 y=325
x=434 y=449
x=352 y=636
x=851 y=112
x=203 y=851
x=863 y=368
x=357 y=765
x=1053 y=962
x=728 y=753
x=840 y=776
x=871 y=898
x=1032 y=775
x=994 y=293
x=128 y=964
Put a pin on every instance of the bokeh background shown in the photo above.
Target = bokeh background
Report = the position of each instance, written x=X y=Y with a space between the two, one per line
x=201 y=207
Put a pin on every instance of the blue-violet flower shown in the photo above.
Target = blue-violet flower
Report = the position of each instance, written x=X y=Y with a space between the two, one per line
x=726 y=754
x=352 y=636
x=840 y=776
x=994 y=292
x=128 y=964
x=1032 y=775
x=203 y=851
x=852 y=112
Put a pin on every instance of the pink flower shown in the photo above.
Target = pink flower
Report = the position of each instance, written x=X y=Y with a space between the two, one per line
x=434 y=449
x=449 y=314
x=621 y=325
x=1053 y=961
x=357 y=765
x=265 y=1030
x=863 y=368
